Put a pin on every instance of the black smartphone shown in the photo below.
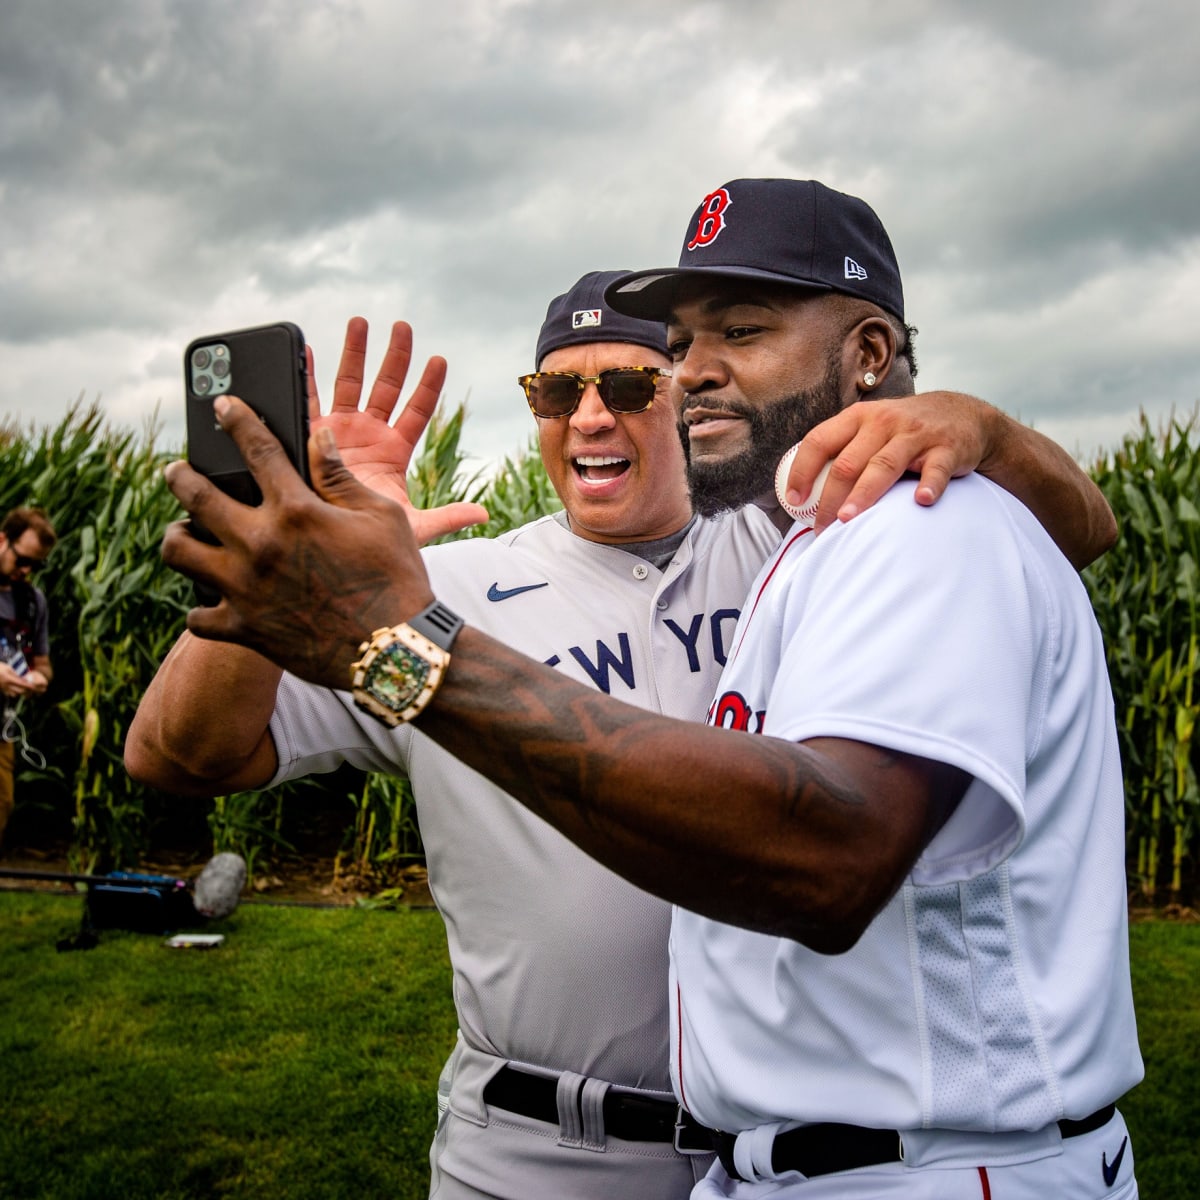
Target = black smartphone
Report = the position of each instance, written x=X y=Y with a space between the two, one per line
x=265 y=367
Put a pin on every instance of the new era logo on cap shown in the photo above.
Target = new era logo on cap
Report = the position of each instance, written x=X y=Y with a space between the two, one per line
x=585 y=318
x=853 y=270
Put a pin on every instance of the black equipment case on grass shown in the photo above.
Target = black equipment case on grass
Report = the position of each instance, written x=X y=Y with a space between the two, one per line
x=143 y=903
x=121 y=900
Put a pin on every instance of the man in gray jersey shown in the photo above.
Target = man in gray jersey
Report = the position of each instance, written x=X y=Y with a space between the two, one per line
x=560 y=1083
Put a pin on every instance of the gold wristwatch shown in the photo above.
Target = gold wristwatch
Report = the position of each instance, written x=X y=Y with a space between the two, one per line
x=402 y=666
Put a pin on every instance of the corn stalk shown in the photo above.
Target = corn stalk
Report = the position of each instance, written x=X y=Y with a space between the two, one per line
x=115 y=611
x=1145 y=595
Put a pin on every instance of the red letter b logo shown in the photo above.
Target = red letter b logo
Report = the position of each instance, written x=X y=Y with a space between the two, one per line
x=712 y=218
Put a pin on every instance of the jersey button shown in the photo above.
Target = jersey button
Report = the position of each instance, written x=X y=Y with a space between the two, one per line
x=661 y=604
x=641 y=571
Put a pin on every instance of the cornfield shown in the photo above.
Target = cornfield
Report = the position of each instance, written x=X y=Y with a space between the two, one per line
x=115 y=611
x=1144 y=593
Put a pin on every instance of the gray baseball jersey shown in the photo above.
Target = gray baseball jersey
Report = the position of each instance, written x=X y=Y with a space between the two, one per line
x=558 y=963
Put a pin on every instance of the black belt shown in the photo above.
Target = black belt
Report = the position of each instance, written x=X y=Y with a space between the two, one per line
x=627 y=1115
x=823 y=1149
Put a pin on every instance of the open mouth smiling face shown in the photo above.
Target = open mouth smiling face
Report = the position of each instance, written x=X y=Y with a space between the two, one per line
x=620 y=476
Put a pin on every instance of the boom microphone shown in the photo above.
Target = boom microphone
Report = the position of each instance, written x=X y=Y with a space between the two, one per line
x=122 y=900
x=219 y=886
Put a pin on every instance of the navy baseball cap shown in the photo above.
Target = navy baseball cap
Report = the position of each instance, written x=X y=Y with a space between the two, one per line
x=582 y=315
x=790 y=231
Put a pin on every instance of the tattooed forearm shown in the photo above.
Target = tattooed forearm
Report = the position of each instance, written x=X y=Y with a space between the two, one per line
x=541 y=736
x=671 y=806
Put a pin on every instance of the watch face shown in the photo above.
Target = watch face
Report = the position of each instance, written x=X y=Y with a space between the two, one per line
x=396 y=676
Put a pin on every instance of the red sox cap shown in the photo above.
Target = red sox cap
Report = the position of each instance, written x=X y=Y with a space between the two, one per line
x=791 y=231
x=581 y=315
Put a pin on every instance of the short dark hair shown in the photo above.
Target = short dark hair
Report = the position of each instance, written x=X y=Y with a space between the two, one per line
x=854 y=310
x=22 y=519
x=908 y=351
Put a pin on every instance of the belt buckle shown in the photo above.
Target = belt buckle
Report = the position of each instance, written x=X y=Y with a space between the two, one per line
x=686 y=1126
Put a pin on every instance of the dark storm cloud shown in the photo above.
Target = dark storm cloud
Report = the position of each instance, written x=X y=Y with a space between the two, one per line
x=185 y=145
x=167 y=168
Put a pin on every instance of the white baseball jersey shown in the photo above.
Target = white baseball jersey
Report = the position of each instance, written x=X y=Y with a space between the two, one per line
x=992 y=993
x=557 y=961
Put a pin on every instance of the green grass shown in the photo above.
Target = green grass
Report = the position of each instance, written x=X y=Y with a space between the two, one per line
x=1163 y=1111
x=300 y=1058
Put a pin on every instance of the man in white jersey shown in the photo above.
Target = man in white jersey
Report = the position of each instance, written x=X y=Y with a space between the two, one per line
x=981 y=1010
x=560 y=972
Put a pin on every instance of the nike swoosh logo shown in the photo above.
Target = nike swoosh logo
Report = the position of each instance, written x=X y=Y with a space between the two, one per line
x=1110 y=1173
x=495 y=593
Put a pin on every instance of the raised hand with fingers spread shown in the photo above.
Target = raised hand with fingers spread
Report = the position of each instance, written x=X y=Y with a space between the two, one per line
x=375 y=450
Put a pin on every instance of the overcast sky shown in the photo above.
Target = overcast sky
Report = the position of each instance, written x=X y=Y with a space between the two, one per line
x=175 y=169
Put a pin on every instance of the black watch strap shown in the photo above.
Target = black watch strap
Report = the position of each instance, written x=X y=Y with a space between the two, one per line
x=438 y=624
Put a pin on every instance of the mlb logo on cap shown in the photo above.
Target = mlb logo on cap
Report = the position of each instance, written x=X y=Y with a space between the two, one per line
x=581 y=316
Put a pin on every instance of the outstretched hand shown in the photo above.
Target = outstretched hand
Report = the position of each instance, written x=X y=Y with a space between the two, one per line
x=940 y=435
x=305 y=576
x=376 y=452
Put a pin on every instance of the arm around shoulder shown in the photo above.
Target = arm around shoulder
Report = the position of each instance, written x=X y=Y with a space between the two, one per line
x=1053 y=486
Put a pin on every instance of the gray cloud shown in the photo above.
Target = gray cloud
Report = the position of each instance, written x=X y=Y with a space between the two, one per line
x=169 y=169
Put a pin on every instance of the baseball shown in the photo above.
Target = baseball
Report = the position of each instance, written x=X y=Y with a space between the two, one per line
x=808 y=510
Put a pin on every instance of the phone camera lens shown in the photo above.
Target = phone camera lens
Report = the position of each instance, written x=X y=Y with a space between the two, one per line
x=201 y=359
x=220 y=368
x=202 y=384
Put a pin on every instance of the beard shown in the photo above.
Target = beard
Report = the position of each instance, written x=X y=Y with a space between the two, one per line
x=774 y=426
